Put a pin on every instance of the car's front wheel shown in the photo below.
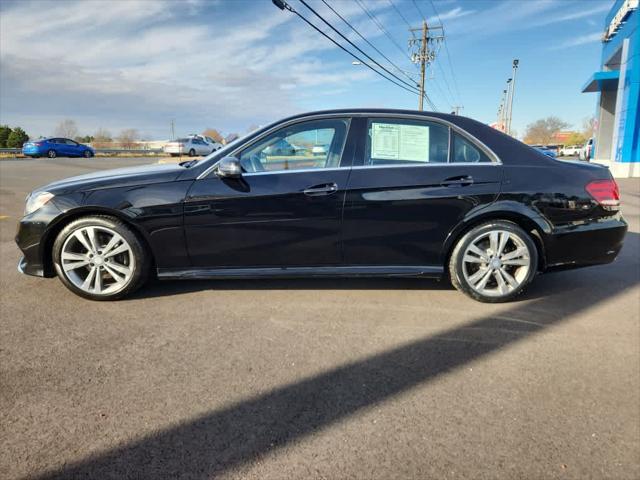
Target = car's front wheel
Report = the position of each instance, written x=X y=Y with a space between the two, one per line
x=100 y=258
x=494 y=262
x=87 y=154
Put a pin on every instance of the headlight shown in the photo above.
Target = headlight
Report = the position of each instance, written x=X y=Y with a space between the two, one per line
x=36 y=200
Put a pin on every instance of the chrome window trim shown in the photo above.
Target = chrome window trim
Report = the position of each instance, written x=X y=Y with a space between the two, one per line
x=434 y=164
x=495 y=160
x=295 y=170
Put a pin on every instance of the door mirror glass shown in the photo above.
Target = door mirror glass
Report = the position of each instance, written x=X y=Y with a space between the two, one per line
x=229 y=167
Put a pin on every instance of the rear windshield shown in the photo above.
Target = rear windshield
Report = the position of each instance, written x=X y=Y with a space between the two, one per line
x=182 y=140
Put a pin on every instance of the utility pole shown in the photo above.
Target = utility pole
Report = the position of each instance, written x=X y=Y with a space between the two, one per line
x=424 y=57
x=507 y=103
x=513 y=88
x=424 y=49
x=173 y=129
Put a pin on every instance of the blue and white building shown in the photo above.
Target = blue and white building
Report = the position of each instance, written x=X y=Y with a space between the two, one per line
x=617 y=142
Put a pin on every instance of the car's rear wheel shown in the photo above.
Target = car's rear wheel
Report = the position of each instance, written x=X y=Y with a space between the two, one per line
x=52 y=154
x=100 y=258
x=494 y=262
x=192 y=153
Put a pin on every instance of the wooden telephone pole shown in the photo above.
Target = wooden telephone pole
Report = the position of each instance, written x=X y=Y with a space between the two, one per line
x=424 y=55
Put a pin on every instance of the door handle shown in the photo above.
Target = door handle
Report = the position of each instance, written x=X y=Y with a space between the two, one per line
x=461 y=181
x=317 y=190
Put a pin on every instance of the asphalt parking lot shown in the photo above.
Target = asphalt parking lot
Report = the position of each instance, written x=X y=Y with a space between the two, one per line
x=381 y=378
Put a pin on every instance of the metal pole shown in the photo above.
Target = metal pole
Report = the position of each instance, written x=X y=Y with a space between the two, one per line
x=507 y=106
x=423 y=62
x=502 y=112
x=513 y=88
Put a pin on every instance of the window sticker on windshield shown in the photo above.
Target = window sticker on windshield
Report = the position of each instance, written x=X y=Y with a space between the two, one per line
x=392 y=141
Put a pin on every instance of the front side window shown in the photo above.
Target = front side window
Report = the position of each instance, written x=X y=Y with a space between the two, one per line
x=406 y=142
x=302 y=146
x=466 y=152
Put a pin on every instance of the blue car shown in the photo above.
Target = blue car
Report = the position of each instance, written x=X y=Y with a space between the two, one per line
x=56 y=147
x=546 y=151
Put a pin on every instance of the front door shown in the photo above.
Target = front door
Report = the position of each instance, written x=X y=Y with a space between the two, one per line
x=285 y=209
x=412 y=182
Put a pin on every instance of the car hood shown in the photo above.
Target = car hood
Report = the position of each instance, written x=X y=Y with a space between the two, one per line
x=120 y=177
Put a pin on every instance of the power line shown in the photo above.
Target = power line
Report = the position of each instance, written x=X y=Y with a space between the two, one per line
x=282 y=5
x=367 y=41
x=446 y=49
x=355 y=46
x=378 y=24
x=400 y=14
x=419 y=11
x=373 y=18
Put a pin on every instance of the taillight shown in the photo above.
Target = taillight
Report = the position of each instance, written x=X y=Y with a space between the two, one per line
x=605 y=192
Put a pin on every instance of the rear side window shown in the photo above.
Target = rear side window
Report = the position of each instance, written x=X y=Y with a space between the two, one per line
x=406 y=142
x=466 y=152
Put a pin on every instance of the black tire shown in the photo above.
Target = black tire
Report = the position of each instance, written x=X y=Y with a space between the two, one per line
x=456 y=272
x=142 y=259
x=52 y=154
x=87 y=154
x=192 y=153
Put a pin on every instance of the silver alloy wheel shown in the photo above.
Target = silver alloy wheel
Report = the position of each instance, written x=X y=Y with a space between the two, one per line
x=97 y=260
x=496 y=263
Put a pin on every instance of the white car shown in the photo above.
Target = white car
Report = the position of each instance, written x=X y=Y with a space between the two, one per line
x=192 y=146
x=570 y=151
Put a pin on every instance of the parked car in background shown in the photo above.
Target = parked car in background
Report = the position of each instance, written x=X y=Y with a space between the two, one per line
x=570 y=151
x=586 y=152
x=280 y=148
x=397 y=193
x=56 y=147
x=545 y=150
x=209 y=140
x=319 y=150
x=192 y=145
x=554 y=148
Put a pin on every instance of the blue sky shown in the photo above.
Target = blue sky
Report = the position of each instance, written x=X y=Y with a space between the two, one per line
x=231 y=64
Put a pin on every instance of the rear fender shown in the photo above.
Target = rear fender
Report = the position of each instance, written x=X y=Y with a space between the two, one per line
x=522 y=215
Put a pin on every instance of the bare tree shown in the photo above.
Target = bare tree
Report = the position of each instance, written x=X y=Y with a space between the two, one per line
x=213 y=133
x=102 y=136
x=128 y=137
x=588 y=126
x=66 y=128
x=542 y=131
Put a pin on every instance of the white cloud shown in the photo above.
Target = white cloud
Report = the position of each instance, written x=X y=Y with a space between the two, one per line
x=452 y=14
x=141 y=63
x=573 y=15
x=580 y=40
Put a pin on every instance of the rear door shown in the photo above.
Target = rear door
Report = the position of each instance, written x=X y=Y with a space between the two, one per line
x=412 y=182
x=286 y=208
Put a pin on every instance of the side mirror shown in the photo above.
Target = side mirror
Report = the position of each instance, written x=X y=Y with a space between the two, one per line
x=229 y=167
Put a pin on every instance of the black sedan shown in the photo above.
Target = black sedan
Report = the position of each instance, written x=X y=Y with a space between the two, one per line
x=394 y=193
